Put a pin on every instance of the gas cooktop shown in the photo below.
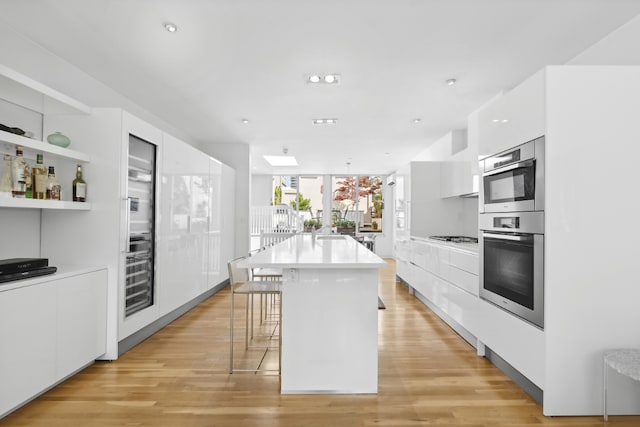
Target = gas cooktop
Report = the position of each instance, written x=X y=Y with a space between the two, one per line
x=455 y=239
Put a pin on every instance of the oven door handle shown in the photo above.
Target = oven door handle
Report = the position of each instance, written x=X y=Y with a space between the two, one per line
x=516 y=238
x=525 y=164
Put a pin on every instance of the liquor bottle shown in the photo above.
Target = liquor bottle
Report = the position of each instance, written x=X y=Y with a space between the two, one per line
x=6 y=182
x=28 y=194
x=39 y=179
x=79 y=187
x=53 y=186
x=18 y=168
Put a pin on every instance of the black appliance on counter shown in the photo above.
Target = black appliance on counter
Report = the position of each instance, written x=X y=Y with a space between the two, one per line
x=23 y=268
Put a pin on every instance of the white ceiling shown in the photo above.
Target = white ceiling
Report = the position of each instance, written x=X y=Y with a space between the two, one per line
x=235 y=59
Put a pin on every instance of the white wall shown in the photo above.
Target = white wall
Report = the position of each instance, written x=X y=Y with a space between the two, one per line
x=450 y=216
x=618 y=48
x=30 y=59
x=23 y=55
x=261 y=187
x=238 y=157
x=430 y=213
x=20 y=239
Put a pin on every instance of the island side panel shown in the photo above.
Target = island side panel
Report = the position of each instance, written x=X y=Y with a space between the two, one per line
x=330 y=331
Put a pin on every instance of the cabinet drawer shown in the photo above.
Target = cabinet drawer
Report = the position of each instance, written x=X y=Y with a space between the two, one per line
x=403 y=250
x=419 y=253
x=439 y=262
x=465 y=261
x=464 y=280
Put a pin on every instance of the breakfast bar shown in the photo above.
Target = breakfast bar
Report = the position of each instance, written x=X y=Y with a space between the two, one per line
x=329 y=327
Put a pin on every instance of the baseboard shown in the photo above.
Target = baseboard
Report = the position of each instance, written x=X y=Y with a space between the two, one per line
x=525 y=384
x=136 y=338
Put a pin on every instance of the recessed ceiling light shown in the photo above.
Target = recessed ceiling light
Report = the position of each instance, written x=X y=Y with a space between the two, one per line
x=245 y=121
x=172 y=28
x=327 y=78
x=417 y=120
x=281 y=160
x=325 y=121
x=505 y=120
x=451 y=82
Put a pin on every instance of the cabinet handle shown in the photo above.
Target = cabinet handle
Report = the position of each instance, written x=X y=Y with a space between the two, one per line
x=127 y=226
x=524 y=164
x=517 y=238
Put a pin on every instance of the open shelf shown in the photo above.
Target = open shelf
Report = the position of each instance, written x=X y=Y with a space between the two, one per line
x=43 y=147
x=23 y=90
x=10 y=202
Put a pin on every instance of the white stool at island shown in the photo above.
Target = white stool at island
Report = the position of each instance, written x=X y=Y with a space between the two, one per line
x=329 y=327
x=624 y=361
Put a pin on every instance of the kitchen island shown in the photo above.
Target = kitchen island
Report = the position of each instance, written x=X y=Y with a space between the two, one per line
x=329 y=327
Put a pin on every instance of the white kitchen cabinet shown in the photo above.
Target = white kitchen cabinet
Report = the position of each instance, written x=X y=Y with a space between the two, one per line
x=464 y=280
x=192 y=237
x=436 y=269
x=515 y=118
x=402 y=250
x=182 y=232
x=105 y=134
x=464 y=260
x=28 y=336
x=50 y=327
x=463 y=270
x=221 y=222
x=458 y=178
x=450 y=284
x=419 y=253
x=587 y=114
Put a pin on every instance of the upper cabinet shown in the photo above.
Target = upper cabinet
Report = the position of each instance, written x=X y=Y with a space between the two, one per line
x=458 y=179
x=516 y=117
x=459 y=167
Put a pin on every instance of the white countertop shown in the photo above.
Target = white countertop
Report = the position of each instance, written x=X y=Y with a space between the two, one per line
x=467 y=247
x=306 y=250
x=63 y=271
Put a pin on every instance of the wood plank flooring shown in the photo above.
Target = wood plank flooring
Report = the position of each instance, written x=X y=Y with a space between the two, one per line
x=428 y=375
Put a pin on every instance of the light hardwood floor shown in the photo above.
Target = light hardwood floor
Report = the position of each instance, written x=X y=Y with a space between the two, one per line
x=179 y=377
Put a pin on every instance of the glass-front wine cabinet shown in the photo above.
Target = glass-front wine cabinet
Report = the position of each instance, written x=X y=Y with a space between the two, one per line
x=141 y=190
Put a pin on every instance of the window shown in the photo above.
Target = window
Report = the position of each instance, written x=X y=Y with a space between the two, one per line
x=357 y=199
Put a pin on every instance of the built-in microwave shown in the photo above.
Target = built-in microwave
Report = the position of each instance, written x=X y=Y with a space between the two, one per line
x=513 y=181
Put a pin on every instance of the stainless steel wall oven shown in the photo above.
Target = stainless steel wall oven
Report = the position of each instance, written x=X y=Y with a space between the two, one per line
x=512 y=263
x=511 y=237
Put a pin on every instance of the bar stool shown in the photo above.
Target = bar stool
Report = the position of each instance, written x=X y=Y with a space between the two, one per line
x=624 y=361
x=264 y=273
x=241 y=283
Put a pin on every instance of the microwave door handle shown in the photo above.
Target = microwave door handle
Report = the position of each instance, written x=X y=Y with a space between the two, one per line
x=516 y=238
x=518 y=165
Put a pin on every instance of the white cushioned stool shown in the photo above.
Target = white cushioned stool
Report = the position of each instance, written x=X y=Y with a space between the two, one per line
x=624 y=361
